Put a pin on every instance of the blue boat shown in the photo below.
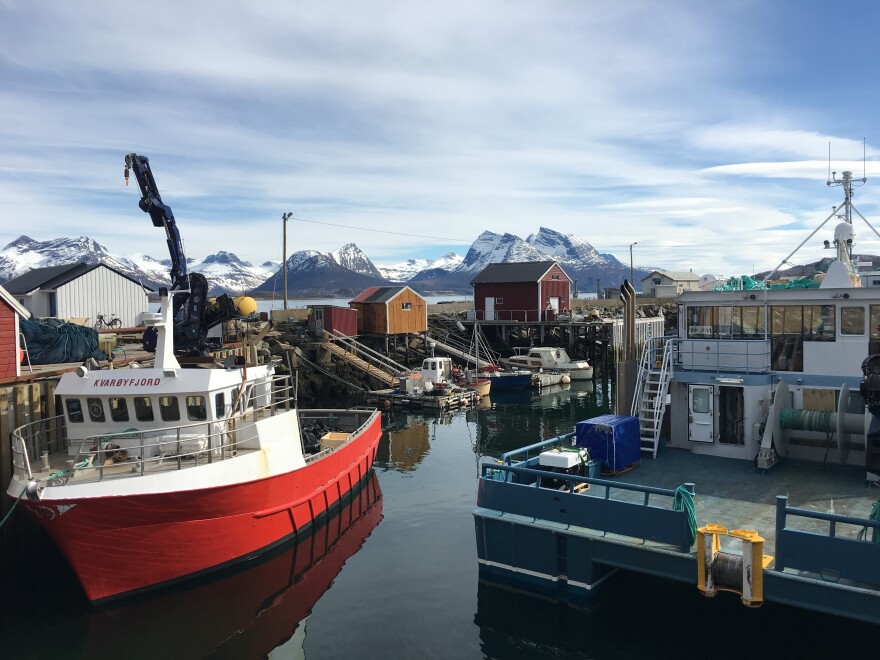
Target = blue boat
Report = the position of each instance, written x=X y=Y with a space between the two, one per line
x=509 y=380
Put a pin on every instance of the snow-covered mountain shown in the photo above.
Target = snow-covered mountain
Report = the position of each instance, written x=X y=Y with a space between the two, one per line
x=226 y=273
x=405 y=270
x=492 y=248
x=352 y=257
x=313 y=273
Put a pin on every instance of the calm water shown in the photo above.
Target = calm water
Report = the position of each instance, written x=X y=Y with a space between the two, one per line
x=394 y=575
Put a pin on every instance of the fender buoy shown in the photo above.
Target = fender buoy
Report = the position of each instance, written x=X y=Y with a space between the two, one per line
x=386 y=404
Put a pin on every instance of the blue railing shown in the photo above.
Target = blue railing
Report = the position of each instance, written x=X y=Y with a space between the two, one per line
x=831 y=556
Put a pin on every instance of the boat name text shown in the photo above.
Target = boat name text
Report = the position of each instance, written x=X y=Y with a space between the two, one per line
x=126 y=382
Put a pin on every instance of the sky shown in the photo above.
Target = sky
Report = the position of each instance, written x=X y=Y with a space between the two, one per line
x=698 y=131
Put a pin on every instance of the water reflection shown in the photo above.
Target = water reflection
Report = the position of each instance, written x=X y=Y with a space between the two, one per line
x=249 y=613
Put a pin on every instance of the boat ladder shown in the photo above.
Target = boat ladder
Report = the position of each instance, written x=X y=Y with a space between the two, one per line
x=652 y=386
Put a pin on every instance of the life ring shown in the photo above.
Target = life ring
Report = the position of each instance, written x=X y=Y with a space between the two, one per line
x=386 y=404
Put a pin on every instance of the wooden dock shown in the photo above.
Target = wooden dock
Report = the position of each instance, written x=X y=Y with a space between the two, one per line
x=437 y=402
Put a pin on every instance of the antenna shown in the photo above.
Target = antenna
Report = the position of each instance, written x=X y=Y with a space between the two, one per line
x=828 y=180
x=864 y=164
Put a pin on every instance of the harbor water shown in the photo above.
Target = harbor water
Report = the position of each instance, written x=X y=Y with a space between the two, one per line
x=394 y=574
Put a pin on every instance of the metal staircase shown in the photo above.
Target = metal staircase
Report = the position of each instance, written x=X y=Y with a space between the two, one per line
x=652 y=385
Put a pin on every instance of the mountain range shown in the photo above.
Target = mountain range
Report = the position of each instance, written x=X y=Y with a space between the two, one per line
x=343 y=272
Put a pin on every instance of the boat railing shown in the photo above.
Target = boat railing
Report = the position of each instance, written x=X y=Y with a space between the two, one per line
x=178 y=446
x=748 y=356
x=622 y=508
x=831 y=556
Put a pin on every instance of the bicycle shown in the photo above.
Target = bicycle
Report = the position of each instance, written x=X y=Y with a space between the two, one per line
x=104 y=322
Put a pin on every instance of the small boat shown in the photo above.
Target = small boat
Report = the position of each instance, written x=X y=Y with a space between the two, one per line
x=155 y=475
x=547 y=358
x=439 y=374
x=517 y=379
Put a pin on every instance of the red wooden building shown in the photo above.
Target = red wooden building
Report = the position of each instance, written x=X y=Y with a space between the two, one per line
x=526 y=291
x=10 y=350
x=333 y=319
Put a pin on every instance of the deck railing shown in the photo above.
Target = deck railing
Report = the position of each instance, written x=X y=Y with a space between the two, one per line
x=831 y=556
x=525 y=489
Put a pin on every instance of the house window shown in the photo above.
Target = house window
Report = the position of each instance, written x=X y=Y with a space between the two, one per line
x=407 y=306
x=554 y=276
x=499 y=301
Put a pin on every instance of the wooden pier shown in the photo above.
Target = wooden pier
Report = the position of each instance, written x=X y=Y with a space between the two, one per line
x=435 y=402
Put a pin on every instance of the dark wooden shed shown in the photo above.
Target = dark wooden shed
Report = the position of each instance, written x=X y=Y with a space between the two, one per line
x=333 y=319
x=390 y=310
x=524 y=291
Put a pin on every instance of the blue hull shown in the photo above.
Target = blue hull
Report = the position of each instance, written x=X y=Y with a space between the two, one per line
x=510 y=381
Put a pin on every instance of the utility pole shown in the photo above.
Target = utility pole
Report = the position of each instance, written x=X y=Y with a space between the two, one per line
x=285 y=217
x=631 y=281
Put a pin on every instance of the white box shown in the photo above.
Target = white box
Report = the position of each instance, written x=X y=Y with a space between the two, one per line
x=563 y=459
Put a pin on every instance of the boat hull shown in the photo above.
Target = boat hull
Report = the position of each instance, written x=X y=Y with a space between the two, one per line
x=518 y=381
x=120 y=545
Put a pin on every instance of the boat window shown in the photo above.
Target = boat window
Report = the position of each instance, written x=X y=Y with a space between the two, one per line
x=874 y=344
x=220 y=404
x=169 y=409
x=196 y=410
x=118 y=409
x=74 y=410
x=700 y=403
x=819 y=323
x=852 y=320
x=700 y=322
x=96 y=409
x=143 y=409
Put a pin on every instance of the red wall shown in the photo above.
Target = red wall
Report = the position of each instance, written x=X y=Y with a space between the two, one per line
x=8 y=341
x=341 y=319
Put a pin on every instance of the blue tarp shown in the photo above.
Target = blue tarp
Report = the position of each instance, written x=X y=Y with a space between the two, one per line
x=613 y=440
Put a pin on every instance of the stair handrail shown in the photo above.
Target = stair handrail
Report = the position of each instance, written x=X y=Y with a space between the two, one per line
x=368 y=354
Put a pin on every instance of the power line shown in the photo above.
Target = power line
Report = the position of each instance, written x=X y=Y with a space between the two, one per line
x=386 y=231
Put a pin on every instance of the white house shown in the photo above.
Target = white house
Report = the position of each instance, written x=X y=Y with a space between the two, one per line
x=667 y=284
x=80 y=291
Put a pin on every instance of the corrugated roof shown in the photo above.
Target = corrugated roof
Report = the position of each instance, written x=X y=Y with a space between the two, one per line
x=53 y=277
x=380 y=294
x=521 y=271
x=37 y=278
x=363 y=295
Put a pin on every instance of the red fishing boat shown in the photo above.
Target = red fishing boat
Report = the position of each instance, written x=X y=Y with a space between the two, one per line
x=154 y=475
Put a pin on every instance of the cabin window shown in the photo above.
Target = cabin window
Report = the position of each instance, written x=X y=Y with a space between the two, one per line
x=143 y=409
x=407 y=306
x=819 y=322
x=220 y=404
x=74 y=410
x=96 y=409
x=499 y=301
x=118 y=409
x=700 y=322
x=852 y=320
x=169 y=408
x=196 y=409
x=701 y=400
x=554 y=276
x=319 y=314
x=874 y=344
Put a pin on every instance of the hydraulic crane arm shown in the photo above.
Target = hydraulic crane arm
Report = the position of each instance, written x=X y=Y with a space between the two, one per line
x=161 y=215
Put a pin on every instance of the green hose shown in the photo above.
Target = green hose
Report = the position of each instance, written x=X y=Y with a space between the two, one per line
x=875 y=534
x=684 y=501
